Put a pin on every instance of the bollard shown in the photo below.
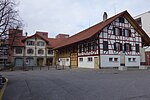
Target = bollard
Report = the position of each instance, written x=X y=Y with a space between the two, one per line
x=0 y=80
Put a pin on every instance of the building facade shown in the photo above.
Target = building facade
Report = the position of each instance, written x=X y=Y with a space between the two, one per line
x=35 y=50
x=117 y=41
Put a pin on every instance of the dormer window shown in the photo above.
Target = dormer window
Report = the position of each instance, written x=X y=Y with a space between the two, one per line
x=40 y=43
x=30 y=43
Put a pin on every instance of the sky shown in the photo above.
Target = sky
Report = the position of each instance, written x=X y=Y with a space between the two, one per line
x=72 y=16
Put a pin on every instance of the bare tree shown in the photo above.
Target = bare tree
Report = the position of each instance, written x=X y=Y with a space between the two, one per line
x=9 y=17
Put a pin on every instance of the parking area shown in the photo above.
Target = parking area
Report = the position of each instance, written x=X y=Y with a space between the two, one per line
x=78 y=84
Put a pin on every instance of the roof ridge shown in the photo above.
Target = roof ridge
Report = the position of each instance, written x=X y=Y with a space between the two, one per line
x=100 y=25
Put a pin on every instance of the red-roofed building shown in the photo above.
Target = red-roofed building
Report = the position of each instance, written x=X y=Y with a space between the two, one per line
x=116 y=41
x=35 y=50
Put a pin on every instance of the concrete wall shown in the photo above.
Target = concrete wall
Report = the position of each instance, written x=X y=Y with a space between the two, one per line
x=105 y=62
x=85 y=63
x=132 y=63
x=64 y=61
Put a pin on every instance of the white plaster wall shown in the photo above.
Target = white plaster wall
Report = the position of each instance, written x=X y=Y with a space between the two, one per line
x=35 y=46
x=104 y=61
x=86 y=63
x=63 y=61
x=132 y=63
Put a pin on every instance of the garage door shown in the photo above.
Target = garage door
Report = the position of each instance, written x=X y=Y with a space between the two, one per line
x=30 y=62
x=18 y=62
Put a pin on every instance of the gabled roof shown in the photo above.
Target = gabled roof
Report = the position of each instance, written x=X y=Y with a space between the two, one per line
x=37 y=35
x=89 y=32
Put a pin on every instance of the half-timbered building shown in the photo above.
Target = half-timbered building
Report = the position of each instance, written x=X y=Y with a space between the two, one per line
x=116 y=41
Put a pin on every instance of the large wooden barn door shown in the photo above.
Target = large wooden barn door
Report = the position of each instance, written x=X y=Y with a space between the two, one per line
x=74 y=60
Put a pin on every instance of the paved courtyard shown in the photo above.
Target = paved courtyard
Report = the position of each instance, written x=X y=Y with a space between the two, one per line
x=78 y=84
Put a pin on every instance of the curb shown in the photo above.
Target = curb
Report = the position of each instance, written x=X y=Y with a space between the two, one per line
x=3 y=89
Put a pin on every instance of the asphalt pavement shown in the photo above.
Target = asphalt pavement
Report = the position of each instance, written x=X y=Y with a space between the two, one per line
x=77 y=84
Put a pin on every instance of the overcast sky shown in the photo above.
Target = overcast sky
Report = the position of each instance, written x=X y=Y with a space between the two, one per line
x=72 y=16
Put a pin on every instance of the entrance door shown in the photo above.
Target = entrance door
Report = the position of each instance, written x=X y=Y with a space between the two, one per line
x=40 y=61
x=49 y=61
x=122 y=59
x=96 y=65
x=18 y=62
x=74 y=60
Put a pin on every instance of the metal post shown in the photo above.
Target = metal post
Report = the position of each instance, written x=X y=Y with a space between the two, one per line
x=0 y=80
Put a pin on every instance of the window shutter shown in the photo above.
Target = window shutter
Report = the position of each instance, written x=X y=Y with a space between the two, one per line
x=125 y=47
x=115 y=46
x=120 y=31
x=123 y=32
x=130 y=47
x=105 y=45
x=137 y=48
x=114 y=31
x=129 y=33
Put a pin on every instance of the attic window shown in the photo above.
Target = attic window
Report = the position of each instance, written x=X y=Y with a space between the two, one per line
x=121 y=19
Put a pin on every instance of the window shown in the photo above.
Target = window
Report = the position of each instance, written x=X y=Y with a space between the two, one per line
x=80 y=48
x=115 y=59
x=30 y=43
x=121 y=19
x=117 y=31
x=127 y=47
x=105 y=45
x=40 y=43
x=89 y=47
x=50 y=51
x=137 y=47
x=40 y=51
x=134 y=59
x=66 y=50
x=127 y=32
x=90 y=59
x=129 y=59
x=67 y=60
x=81 y=59
x=30 y=51
x=84 y=47
x=117 y=46
x=94 y=47
x=18 y=51
x=110 y=59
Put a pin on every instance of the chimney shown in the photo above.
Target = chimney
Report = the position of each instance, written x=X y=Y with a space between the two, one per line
x=105 y=16
x=26 y=34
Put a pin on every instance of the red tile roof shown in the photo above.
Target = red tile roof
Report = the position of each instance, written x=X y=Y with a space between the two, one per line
x=87 y=33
